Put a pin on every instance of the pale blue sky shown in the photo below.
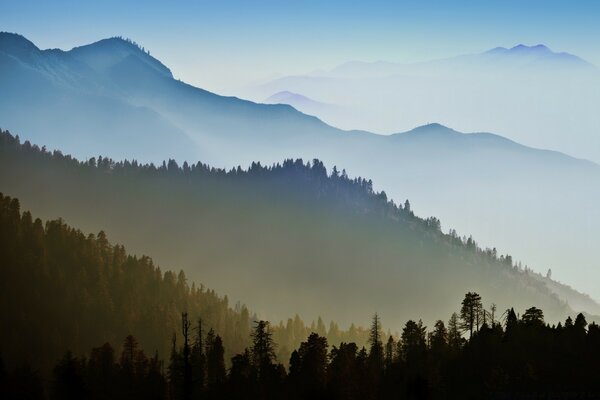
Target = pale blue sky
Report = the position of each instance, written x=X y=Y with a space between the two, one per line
x=224 y=44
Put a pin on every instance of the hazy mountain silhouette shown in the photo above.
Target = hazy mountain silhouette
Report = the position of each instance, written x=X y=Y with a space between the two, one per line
x=306 y=105
x=538 y=54
x=529 y=93
x=285 y=239
x=292 y=99
x=113 y=98
x=538 y=57
x=72 y=92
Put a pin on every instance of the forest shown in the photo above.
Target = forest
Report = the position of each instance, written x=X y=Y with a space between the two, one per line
x=93 y=322
x=513 y=357
x=309 y=200
x=321 y=242
x=84 y=319
x=83 y=290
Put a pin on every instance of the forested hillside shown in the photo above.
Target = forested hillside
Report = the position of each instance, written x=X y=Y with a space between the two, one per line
x=61 y=289
x=523 y=357
x=286 y=239
x=112 y=98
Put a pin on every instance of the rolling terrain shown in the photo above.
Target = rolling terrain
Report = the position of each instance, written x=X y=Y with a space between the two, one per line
x=287 y=239
x=112 y=98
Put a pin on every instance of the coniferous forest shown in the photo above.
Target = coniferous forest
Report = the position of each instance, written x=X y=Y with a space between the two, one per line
x=314 y=239
x=151 y=335
x=315 y=200
x=517 y=358
x=84 y=290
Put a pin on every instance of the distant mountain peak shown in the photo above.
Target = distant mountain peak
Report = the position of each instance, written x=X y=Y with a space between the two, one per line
x=432 y=128
x=15 y=44
x=285 y=95
x=295 y=100
x=121 y=42
x=108 y=52
x=536 y=53
x=537 y=47
x=521 y=48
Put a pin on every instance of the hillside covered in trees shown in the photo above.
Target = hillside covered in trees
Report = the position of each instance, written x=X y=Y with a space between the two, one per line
x=289 y=238
x=61 y=289
x=63 y=293
x=516 y=357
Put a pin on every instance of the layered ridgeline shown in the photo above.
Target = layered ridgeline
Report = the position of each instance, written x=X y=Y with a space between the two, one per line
x=286 y=239
x=493 y=89
x=113 y=98
x=61 y=289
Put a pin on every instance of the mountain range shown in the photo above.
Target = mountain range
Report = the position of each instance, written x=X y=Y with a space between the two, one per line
x=520 y=57
x=530 y=94
x=291 y=238
x=116 y=99
x=112 y=98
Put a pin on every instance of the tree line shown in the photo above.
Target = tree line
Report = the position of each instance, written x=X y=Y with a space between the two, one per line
x=60 y=288
x=475 y=355
x=297 y=177
x=286 y=217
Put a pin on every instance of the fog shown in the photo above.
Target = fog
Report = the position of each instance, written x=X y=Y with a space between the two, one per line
x=539 y=206
x=529 y=94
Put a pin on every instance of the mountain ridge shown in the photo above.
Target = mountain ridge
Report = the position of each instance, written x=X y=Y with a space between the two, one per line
x=125 y=47
x=136 y=112
x=441 y=131
x=81 y=53
x=260 y=210
x=515 y=51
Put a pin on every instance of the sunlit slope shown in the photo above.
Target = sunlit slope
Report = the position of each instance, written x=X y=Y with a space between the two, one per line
x=285 y=239
x=113 y=98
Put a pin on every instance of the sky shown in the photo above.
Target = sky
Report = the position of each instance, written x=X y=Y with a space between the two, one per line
x=224 y=45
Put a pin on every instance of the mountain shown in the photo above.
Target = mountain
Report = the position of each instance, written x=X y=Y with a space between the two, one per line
x=85 y=291
x=538 y=55
x=287 y=239
x=530 y=93
x=75 y=291
x=306 y=105
x=113 y=98
x=520 y=57
x=53 y=87
x=292 y=99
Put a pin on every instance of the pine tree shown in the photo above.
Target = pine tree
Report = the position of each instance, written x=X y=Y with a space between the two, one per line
x=414 y=343
x=470 y=313
x=376 y=345
x=263 y=347
x=215 y=365
x=511 y=320
x=310 y=369
x=389 y=351
x=198 y=361
x=187 y=366
x=454 y=337
x=439 y=338
x=533 y=316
